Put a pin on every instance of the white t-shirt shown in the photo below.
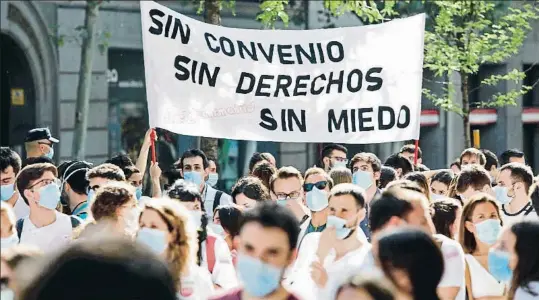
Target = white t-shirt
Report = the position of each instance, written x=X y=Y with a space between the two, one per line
x=197 y=285
x=209 y=195
x=224 y=273
x=21 y=209
x=483 y=283
x=454 y=265
x=522 y=294
x=526 y=213
x=48 y=238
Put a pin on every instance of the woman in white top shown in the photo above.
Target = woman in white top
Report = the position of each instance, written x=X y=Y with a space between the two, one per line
x=165 y=228
x=479 y=229
x=516 y=258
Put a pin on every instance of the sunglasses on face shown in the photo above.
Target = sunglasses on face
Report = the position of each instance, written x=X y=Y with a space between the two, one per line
x=319 y=185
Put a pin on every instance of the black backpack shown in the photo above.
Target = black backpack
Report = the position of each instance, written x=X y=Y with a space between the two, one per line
x=216 y=199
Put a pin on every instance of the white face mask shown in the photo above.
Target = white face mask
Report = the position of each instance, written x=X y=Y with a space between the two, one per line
x=9 y=241
x=212 y=179
x=217 y=229
x=195 y=217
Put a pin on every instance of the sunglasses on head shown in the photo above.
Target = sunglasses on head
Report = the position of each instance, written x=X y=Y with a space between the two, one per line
x=319 y=185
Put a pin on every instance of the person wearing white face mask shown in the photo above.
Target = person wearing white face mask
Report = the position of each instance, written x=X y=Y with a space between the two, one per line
x=10 y=165
x=328 y=259
x=7 y=227
x=480 y=227
x=45 y=227
x=213 y=252
x=514 y=182
x=316 y=187
x=332 y=156
x=166 y=230
x=213 y=176
x=366 y=169
x=74 y=187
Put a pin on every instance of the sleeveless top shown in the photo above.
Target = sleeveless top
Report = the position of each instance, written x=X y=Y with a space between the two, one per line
x=483 y=283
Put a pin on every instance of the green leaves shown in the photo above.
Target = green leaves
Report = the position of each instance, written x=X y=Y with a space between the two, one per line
x=272 y=11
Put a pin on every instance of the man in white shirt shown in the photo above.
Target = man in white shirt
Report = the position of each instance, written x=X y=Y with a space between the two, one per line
x=45 y=227
x=286 y=187
x=514 y=182
x=10 y=165
x=194 y=167
x=403 y=205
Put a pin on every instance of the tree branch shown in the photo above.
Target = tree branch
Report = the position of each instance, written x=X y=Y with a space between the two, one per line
x=481 y=84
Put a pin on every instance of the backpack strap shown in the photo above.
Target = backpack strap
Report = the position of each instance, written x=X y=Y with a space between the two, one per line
x=18 y=226
x=75 y=221
x=468 y=280
x=529 y=210
x=216 y=199
x=210 y=252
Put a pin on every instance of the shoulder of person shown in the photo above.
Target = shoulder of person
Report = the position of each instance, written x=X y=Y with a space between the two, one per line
x=449 y=247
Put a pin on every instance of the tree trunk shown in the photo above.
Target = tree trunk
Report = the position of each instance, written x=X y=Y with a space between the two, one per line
x=212 y=15
x=85 y=79
x=464 y=88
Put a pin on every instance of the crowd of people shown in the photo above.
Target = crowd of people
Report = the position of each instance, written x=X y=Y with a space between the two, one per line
x=351 y=228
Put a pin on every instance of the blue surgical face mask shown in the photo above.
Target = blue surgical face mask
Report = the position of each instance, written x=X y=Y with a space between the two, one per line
x=49 y=196
x=435 y=197
x=154 y=239
x=317 y=199
x=193 y=177
x=212 y=179
x=340 y=225
x=259 y=278
x=488 y=231
x=339 y=164
x=281 y=202
x=501 y=194
x=7 y=294
x=138 y=192
x=91 y=196
x=9 y=241
x=6 y=191
x=498 y=265
x=50 y=154
x=195 y=217
x=362 y=178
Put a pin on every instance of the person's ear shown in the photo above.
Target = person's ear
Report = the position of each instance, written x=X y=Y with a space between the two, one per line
x=360 y=216
x=469 y=226
x=325 y=160
x=29 y=195
x=181 y=173
x=292 y=257
x=236 y=242
x=67 y=187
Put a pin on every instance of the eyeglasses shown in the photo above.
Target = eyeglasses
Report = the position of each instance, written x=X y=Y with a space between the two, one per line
x=341 y=159
x=285 y=196
x=319 y=185
x=45 y=182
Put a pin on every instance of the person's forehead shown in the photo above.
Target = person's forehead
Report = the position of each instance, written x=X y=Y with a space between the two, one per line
x=212 y=164
x=361 y=163
x=150 y=215
x=342 y=200
x=135 y=177
x=482 y=208
x=505 y=175
x=314 y=178
x=98 y=180
x=196 y=160
x=438 y=185
x=337 y=153
x=284 y=184
x=470 y=157
x=264 y=238
x=7 y=171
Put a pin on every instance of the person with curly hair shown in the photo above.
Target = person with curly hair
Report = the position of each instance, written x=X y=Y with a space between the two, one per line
x=166 y=230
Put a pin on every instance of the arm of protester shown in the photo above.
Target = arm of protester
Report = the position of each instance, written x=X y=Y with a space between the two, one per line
x=224 y=274
x=155 y=176
x=328 y=237
x=143 y=154
x=319 y=274
x=453 y=277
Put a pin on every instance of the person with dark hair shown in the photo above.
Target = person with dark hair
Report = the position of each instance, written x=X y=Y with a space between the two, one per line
x=132 y=273
x=257 y=158
x=121 y=160
x=472 y=156
x=421 y=180
x=37 y=160
x=266 y=247
x=213 y=174
x=333 y=155
x=39 y=142
x=194 y=168
x=446 y=216
x=387 y=175
x=514 y=184
x=338 y=252
x=10 y=166
x=439 y=184
x=361 y=287
x=412 y=260
x=400 y=205
x=534 y=197
x=512 y=156
x=74 y=187
x=286 y=187
x=316 y=188
x=400 y=163
x=270 y=158
x=480 y=226
x=264 y=171
x=408 y=151
x=248 y=191
x=135 y=178
x=491 y=164
x=515 y=260
x=473 y=179
x=100 y=176
x=455 y=166
x=44 y=227
x=213 y=252
x=226 y=223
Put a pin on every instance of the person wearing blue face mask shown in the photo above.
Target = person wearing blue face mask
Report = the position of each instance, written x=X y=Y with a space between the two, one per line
x=74 y=187
x=10 y=165
x=45 y=227
x=515 y=259
x=514 y=182
x=316 y=187
x=480 y=228
x=213 y=176
x=39 y=142
x=266 y=247
x=332 y=156
x=366 y=169
x=194 y=168
x=135 y=178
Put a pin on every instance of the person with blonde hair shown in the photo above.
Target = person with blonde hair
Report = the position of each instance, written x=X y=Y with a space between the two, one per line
x=165 y=228
x=340 y=175
x=7 y=229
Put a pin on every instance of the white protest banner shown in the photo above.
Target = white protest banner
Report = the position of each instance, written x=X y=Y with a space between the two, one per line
x=350 y=85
